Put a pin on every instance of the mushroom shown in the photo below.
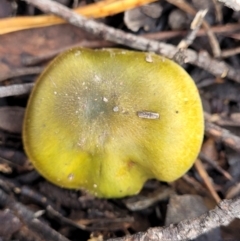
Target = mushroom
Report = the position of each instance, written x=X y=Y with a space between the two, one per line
x=108 y=120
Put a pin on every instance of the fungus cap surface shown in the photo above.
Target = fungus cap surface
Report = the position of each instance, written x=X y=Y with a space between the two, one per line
x=107 y=120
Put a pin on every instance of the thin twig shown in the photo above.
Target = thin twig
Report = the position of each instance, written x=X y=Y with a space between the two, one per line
x=19 y=89
x=223 y=135
x=230 y=52
x=196 y=185
x=202 y=60
x=221 y=29
x=183 y=5
x=204 y=175
x=203 y=157
x=60 y=218
x=230 y=121
x=21 y=72
x=218 y=11
x=33 y=60
x=233 y=191
x=195 y=25
x=224 y=213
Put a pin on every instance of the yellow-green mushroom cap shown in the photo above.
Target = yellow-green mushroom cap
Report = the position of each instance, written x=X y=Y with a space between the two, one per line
x=107 y=120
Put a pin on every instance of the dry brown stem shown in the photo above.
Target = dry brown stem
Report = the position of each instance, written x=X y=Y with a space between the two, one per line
x=230 y=52
x=226 y=29
x=218 y=10
x=202 y=172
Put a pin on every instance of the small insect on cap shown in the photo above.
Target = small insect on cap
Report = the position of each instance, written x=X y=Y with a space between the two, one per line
x=107 y=120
